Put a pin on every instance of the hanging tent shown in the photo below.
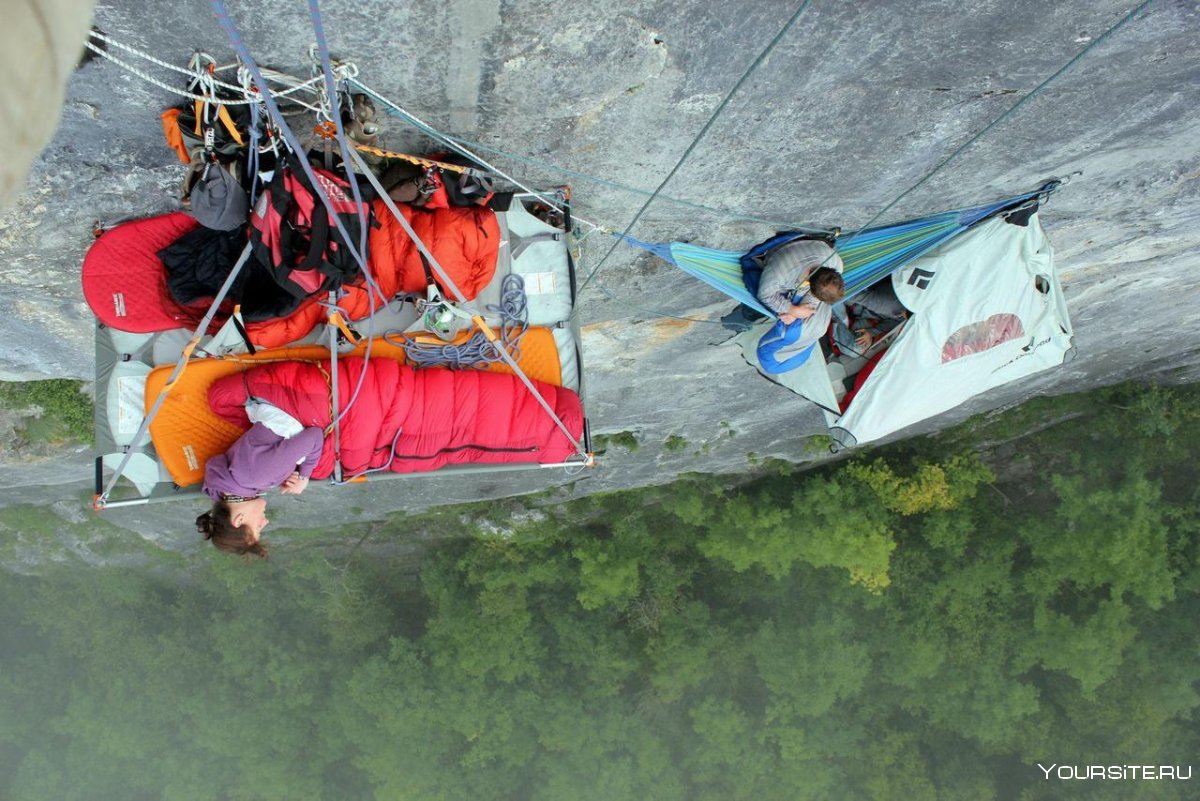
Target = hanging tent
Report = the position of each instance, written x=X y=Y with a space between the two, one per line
x=985 y=309
x=998 y=314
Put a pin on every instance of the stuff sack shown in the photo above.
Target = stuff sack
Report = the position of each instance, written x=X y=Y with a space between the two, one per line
x=208 y=126
x=294 y=239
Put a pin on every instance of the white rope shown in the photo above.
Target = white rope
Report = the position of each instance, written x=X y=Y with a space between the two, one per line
x=183 y=92
x=294 y=84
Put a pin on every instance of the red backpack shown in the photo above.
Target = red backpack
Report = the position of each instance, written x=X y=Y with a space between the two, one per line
x=293 y=237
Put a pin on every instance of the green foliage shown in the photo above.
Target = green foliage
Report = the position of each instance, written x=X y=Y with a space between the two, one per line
x=881 y=628
x=930 y=487
x=818 y=445
x=1125 y=527
x=59 y=409
x=622 y=439
x=674 y=443
x=1155 y=411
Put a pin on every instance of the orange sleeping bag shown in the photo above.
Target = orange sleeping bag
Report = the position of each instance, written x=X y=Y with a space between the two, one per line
x=465 y=242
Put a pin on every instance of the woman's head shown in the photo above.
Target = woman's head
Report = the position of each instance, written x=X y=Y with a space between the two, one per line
x=235 y=526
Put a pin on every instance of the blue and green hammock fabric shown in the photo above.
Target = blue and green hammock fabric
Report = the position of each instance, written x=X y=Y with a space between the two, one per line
x=868 y=256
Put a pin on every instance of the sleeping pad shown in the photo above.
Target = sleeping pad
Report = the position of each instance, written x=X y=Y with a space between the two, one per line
x=420 y=419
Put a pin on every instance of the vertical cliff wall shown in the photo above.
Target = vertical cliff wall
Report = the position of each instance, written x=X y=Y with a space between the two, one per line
x=857 y=103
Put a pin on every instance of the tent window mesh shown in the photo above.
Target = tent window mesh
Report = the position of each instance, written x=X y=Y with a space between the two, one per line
x=978 y=337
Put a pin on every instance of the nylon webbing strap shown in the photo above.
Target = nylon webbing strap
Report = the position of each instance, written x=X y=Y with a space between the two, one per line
x=241 y=329
x=419 y=161
x=357 y=250
x=458 y=295
x=522 y=243
x=180 y=366
x=333 y=390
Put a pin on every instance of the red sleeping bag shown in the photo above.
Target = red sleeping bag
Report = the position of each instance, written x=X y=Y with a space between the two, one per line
x=125 y=282
x=441 y=416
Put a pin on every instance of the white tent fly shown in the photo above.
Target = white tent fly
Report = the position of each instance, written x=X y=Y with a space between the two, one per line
x=986 y=309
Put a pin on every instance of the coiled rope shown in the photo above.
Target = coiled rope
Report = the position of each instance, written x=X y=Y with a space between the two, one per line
x=478 y=351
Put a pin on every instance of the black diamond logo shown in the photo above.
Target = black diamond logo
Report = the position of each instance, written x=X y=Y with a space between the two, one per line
x=920 y=278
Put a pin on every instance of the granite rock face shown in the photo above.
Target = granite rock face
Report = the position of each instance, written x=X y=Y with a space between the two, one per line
x=857 y=103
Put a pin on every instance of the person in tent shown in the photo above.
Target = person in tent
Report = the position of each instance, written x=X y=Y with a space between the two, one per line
x=277 y=451
x=799 y=282
x=869 y=316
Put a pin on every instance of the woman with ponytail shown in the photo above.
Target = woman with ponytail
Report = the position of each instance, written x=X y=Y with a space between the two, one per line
x=276 y=452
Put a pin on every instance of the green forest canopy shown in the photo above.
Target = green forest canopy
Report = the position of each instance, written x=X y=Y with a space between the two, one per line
x=927 y=621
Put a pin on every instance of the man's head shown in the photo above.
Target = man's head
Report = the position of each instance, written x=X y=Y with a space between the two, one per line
x=826 y=285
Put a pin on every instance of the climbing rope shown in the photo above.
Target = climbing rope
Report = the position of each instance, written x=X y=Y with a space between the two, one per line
x=438 y=136
x=766 y=51
x=478 y=351
x=532 y=161
x=1009 y=112
x=460 y=144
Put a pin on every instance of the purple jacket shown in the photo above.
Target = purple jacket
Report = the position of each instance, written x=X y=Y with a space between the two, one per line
x=261 y=459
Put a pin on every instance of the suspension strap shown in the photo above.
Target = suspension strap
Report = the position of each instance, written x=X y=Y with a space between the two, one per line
x=345 y=72
x=520 y=244
x=241 y=329
x=335 y=418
